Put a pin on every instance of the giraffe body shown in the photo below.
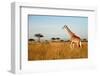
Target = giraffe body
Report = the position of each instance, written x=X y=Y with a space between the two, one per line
x=75 y=40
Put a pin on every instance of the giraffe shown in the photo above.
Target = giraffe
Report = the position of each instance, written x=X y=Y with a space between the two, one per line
x=75 y=40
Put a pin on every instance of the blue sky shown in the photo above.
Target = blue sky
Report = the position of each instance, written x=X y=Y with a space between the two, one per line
x=51 y=26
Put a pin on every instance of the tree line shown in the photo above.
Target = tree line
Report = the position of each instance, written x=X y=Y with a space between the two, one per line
x=39 y=36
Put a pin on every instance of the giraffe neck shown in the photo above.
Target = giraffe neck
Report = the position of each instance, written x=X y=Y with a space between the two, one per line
x=69 y=31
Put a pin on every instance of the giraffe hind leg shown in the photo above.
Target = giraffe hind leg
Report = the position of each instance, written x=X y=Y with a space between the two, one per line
x=71 y=45
x=80 y=44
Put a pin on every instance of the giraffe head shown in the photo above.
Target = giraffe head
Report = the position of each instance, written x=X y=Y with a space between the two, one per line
x=65 y=26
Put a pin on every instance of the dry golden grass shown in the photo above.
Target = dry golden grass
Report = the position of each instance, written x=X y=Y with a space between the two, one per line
x=56 y=50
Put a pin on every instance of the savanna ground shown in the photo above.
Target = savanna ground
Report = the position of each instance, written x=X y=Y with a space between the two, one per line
x=56 y=50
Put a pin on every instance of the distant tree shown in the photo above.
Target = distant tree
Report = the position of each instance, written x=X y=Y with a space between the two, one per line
x=31 y=40
x=53 y=38
x=39 y=36
x=85 y=40
x=62 y=40
x=57 y=38
x=46 y=41
x=68 y=40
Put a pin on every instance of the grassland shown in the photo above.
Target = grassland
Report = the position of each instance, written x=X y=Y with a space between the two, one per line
x=55 y=50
